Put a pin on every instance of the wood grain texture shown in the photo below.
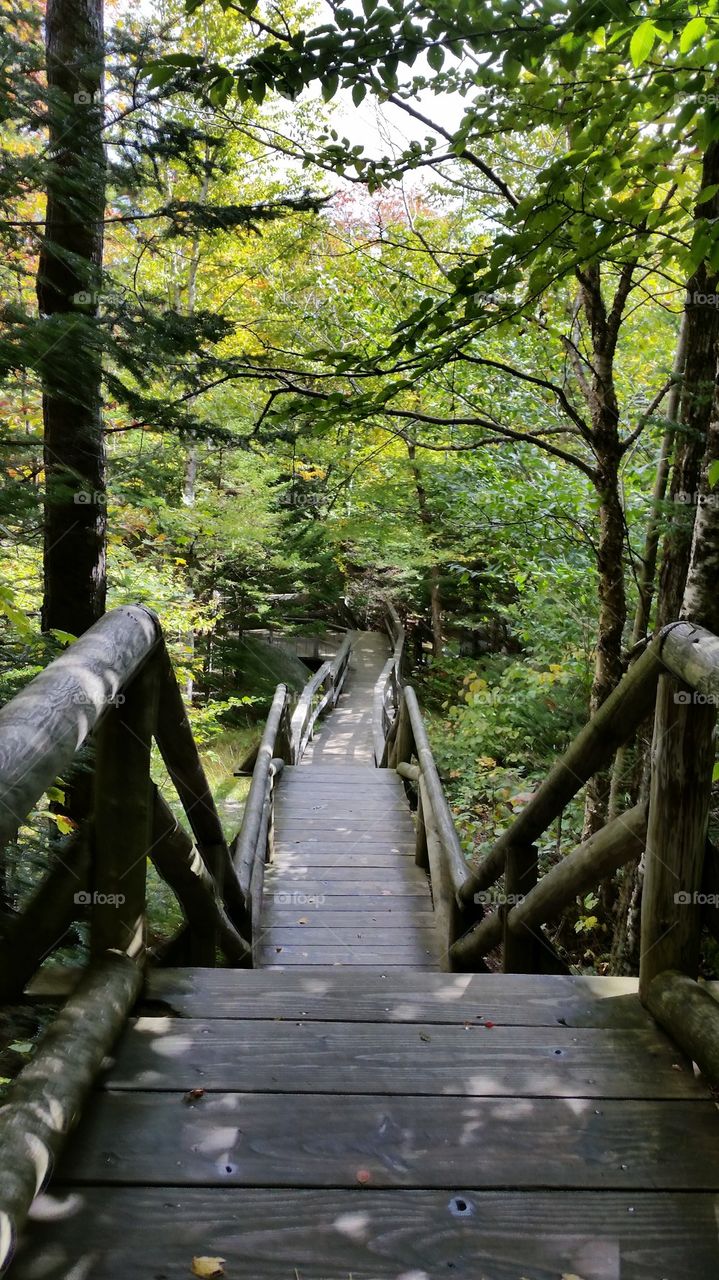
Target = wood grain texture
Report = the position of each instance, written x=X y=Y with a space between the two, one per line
x=471 y=1060
x=279 y=1234
x=505 y=999
x=309 y=1140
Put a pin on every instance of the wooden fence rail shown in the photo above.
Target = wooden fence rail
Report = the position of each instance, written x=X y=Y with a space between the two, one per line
x=286 y=736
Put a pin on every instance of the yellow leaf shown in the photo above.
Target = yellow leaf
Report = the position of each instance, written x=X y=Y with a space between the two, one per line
x=179 y=560
x=64 y=824
x=208 y=1267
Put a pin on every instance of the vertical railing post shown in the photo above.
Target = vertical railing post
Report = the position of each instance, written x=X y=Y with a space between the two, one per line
x=122 y=824
x=519 y=951
x=683 y=753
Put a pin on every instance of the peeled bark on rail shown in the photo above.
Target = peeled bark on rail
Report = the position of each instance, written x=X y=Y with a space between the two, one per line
x=592 y=748
x=44 y=725
x=41 y=926
x=690 y=1015
x=616 y=844
x=45 y=1100
x=182 y=868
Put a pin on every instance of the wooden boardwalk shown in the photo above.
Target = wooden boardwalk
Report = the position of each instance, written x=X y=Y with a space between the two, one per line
x=343 y=888
x=348 y=1112
x=319 y=1125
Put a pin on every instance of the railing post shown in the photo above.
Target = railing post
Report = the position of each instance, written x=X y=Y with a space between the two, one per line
x=682 y=762
x=519 y=950
x=123 y=817
x=403 y=741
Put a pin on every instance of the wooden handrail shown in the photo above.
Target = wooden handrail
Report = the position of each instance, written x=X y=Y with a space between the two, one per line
x=43 y=726
x=115 y=685
x=619 y=842
x=330 y=678
x=388 y=686
x=593 y=748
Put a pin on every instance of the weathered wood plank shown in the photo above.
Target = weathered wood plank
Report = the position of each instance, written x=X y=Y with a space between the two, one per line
x=509 y=999
x=386 y=1058
x=286 y=860
x=406 y=911
x=319 y=933
x=394 y=878
x=384 y=885
x=407 y=950
x=308 y=1140
x=281 y=1234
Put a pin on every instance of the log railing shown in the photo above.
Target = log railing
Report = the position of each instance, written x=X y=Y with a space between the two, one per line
x=438 y=850
x=115 y=690
x=286 y=736
x=112 y=691
x=679 y=669
x=388 y=688
x=318 y=697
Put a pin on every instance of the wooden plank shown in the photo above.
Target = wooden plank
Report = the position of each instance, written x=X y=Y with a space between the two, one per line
x=282 y=1234
x=517 y=1000
x=345 y=885
x=394 y=878
x=285 y=844
x=374 y=857
x=339 y=831
x=387 y=1058
x=402 y=952
x=504 y=999
x=326 y=935
x=409 y=912
x=309 y=1140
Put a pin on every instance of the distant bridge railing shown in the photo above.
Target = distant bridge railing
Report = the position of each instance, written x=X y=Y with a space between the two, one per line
x=288 y=731
x=400 y=739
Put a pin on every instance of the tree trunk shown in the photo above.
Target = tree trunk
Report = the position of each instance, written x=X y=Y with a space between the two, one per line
x=651 y=545
x=425 y=515
x=68 y=282
x=702 y=334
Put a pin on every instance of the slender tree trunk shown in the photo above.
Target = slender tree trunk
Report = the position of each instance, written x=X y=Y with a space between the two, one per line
x=690 y=562
x=68 y=282
x=702 y=333
x=435 y=594
x=651 y=545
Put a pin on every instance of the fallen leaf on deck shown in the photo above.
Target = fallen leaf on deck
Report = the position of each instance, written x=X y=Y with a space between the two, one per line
x=208 y=1267
x=193 y=1094
x=422 y=1036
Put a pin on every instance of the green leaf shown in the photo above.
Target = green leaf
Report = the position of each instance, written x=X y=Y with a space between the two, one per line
x=642 y=42
x=435 y=57
x=330 y=87
x=713 y=473
x=359 y=93
x=692 y=33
